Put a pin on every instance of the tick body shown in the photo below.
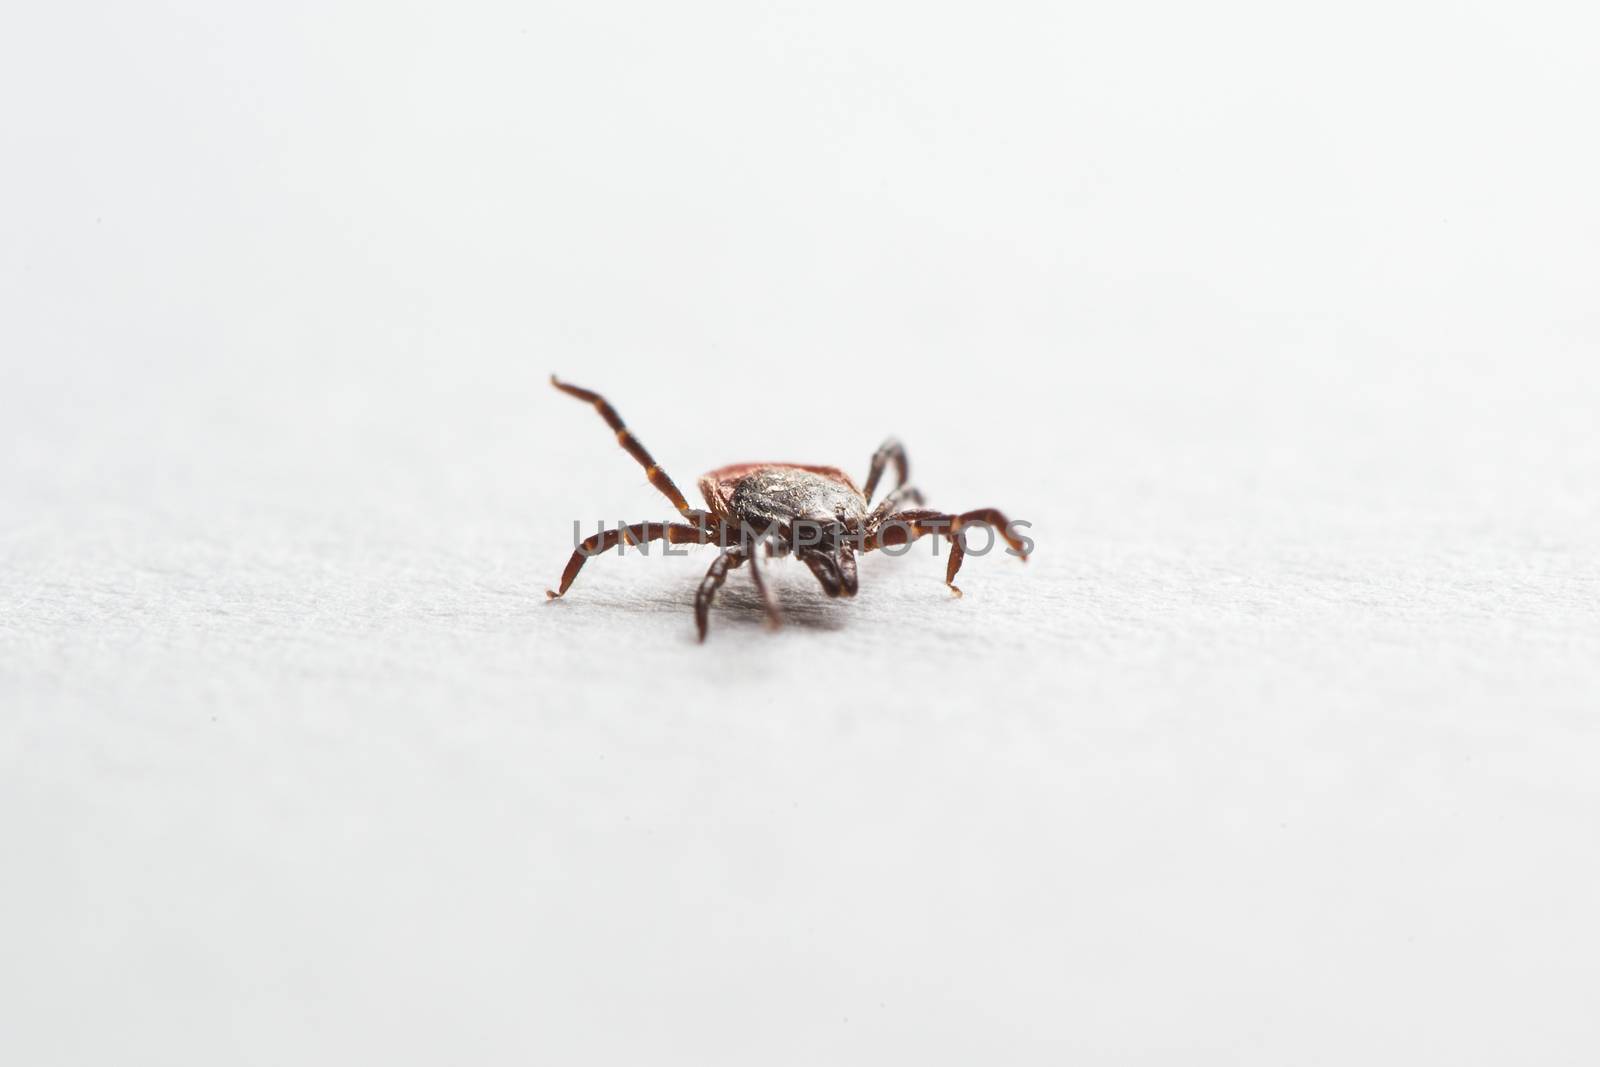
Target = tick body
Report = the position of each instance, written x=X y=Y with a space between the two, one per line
x=759 y=510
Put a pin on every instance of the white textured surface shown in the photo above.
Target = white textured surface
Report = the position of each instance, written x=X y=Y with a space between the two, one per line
x=1282 y=749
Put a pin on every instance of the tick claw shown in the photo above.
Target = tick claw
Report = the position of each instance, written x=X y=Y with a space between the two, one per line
x=956 y=590
x=551 y=594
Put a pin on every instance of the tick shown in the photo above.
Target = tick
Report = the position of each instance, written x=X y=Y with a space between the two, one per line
x=815 y=514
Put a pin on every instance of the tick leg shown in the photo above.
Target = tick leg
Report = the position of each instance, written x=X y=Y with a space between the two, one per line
x=774 y=616
x=715 y=576
x=847 y=569
x=630 y=443
x=889 y=450
x=673 y=533
x=892 y=503
x=903 y=527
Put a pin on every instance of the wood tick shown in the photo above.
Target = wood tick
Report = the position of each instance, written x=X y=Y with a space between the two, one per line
x=815 y=514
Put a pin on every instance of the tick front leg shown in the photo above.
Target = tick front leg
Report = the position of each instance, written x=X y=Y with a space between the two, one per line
x=631 y=444
x=774 y=616
x=715 y=576
x=847 y=569
x=673 y=533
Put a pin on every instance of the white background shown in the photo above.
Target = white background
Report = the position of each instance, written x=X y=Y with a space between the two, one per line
x=1278 y=322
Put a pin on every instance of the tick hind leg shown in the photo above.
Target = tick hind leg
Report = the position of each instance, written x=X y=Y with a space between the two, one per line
x=630 y=443
x=674 y=533
x=906 y=526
